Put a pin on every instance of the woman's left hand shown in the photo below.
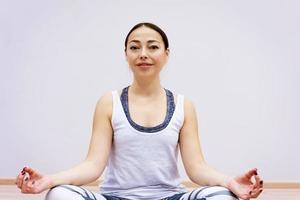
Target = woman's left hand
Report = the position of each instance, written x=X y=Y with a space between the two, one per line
x=244 y=187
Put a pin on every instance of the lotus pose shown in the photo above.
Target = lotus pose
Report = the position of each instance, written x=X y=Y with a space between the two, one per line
x=137 y=133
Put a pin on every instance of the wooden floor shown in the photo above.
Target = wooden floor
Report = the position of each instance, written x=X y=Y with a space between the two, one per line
x=11 y=192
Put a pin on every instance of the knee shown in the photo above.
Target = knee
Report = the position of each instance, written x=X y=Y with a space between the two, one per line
x=220 y=193
x=56 y=193
x=213 y=193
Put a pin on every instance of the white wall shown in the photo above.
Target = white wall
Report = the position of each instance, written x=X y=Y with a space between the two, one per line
x=238 y=61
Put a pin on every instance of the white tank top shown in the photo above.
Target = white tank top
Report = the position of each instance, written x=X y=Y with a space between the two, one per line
x=142 y=164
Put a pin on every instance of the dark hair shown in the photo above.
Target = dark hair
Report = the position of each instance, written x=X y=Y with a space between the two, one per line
x=152 y=26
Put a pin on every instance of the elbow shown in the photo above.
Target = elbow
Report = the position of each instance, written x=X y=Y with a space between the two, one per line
x=194 y=172
x=98 y=170
x=95 y=170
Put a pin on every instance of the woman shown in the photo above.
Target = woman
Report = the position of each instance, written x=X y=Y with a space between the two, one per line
x=137 y=133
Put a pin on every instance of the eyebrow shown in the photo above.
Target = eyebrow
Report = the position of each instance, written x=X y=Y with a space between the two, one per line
x=149 y=41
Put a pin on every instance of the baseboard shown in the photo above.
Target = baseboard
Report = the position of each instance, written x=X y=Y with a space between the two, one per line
x=190 y=184
x=267 y=185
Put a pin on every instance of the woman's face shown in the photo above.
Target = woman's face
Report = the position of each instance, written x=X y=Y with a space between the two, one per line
x=145 y=52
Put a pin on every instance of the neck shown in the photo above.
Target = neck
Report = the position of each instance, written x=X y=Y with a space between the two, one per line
x=150 y=87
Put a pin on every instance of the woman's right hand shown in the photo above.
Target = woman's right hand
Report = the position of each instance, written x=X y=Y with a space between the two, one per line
x=33 y=182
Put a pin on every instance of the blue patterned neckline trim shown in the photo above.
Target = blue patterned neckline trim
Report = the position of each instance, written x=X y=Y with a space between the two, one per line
x=164 y=124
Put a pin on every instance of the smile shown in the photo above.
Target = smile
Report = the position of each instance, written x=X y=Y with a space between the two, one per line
x=144 y=64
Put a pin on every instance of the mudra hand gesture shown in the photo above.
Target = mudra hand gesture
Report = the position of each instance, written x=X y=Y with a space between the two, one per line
x=244 y=186
x=32 y=181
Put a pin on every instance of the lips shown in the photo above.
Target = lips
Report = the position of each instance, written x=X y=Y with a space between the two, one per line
x=144 y=64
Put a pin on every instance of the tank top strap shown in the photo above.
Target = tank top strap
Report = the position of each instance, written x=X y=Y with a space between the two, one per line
x=114 y=95
x=178 y=117
x=180 y=103
x=118 y=115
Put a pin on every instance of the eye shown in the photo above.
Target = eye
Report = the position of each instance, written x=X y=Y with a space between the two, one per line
x=154 y=47
x=133 y=48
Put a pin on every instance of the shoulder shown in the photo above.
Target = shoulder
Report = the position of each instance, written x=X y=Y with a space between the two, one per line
x=105 y=99
x=188 y=103
x=104 y=103
x=189 y=108
x=190 y=114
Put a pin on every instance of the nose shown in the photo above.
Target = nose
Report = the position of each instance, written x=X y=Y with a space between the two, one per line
x=143 y=54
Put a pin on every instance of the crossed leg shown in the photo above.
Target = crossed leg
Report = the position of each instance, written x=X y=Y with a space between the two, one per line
x=66 y=192
x=209 y=193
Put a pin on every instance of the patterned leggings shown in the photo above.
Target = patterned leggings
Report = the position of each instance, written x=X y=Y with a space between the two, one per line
x=67 y=192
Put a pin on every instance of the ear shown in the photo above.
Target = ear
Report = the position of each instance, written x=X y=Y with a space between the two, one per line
x=168 y=51
x=125 y=54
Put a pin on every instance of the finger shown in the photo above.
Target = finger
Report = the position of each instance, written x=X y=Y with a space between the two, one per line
x=32 y=187
x=251 y=173
x=29 y=186
x=261 y=184
x=255 y=193
x=19 y=180
x=24 y=185
x=26 y=190
x=257 y=182
x=245 y=197
x=30 y=171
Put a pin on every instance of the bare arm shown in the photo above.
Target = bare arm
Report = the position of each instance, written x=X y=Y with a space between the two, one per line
x=196 y=167
x=94 y=164
x=201 y=173
x=32 y=181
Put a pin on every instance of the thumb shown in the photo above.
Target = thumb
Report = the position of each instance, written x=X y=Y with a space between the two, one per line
x=251 y=173
x=32 y=172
